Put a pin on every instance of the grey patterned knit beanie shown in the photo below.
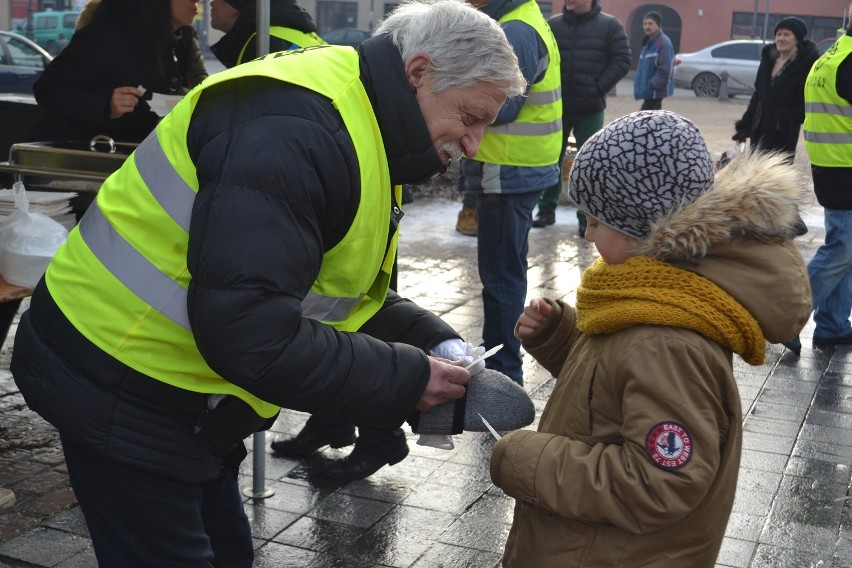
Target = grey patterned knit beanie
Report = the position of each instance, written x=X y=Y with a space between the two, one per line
x=638 y=168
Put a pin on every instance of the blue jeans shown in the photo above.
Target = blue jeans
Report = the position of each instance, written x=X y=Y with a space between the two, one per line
x=830 y=273
x=502 y=242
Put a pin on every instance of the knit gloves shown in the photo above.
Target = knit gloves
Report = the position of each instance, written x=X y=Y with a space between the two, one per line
x=500 y=400
x=460 y=350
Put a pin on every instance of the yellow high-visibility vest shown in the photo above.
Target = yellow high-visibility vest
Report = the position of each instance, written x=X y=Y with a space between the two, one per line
x=828 y=116
x=301 y=39
x=534 y=138
x=129 y=250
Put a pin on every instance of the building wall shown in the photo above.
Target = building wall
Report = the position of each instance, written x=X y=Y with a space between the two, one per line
x=691 y=24
x=694 y=24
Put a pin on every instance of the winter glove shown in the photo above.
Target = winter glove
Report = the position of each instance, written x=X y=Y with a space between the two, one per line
x=460 y=350
x=500 y=400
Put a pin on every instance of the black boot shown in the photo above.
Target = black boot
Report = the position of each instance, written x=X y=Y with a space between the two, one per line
x=544 y=218
x=362 y=463
x=309 y=440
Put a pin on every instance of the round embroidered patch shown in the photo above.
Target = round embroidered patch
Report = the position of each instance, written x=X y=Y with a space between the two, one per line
x=669 y=445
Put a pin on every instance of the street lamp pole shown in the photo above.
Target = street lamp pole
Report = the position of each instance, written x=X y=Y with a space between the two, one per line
x=30 y=24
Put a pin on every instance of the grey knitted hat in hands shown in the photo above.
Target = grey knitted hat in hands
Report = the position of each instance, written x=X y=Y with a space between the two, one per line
x=500 y=400
x=638 y=168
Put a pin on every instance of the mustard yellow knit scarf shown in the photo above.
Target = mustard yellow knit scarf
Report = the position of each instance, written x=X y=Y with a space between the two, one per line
x=647 y=291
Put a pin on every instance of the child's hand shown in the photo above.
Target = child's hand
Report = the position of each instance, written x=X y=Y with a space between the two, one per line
x=533 y=316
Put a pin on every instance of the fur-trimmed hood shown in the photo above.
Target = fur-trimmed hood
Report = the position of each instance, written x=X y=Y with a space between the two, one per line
x=739 y=235
x=755 y=196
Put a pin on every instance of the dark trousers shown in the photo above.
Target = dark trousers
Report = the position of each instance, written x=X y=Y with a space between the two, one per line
x=136 y=518
x=373 y=440
x=652 y=104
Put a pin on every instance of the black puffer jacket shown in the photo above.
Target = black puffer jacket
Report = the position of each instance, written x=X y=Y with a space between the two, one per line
x=595 y=57
x=777 y=107
x=279 y=184
x=284 y=13
x=76 y=88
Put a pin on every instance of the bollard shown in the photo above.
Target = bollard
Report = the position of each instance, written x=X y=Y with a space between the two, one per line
x=723 y=87
x=258 y=489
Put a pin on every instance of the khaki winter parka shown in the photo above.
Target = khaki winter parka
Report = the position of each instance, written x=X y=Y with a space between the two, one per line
x=635 y=460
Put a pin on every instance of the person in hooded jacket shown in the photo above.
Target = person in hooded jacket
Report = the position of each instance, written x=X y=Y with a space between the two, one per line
x=100 y=82
x=636 y=455
x=777 y=107
x=291 y=27
x=238 y=262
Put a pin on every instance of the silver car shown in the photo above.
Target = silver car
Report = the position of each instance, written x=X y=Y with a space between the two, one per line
x=703 y=70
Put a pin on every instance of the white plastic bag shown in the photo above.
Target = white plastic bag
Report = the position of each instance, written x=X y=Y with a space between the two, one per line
x=27 y=242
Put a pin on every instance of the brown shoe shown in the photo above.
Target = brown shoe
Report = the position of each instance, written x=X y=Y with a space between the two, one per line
x=466 y=225
x=7 y=498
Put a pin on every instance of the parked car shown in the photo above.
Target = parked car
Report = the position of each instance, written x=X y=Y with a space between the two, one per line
x=702 y=70
x=346 y=36
x=51 y=30
x=21 y=63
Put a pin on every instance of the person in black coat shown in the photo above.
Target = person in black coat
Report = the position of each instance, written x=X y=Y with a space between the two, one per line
x=777 y=107
x=93 y=86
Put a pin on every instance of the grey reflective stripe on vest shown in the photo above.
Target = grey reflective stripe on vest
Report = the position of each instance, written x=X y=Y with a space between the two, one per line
x=168 y=188
x=527 y=128
x=544 y=97
x=828 y=137
x=828 y=108
x=132 y=269
x=533 y=128
x=140 y=275
x=327 y=308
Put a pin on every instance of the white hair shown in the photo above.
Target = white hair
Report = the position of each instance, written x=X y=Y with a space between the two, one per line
x=465 y=45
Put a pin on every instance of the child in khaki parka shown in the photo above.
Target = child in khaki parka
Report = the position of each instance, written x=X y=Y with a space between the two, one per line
x=636 y=455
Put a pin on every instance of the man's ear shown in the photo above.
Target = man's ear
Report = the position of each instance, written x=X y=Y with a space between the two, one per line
x=417 y=69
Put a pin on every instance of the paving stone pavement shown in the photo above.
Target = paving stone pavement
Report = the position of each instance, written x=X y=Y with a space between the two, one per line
x=438 y=508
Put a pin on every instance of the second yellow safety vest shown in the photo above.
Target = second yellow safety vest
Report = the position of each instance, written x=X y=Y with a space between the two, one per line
x=828 y=116
x=295 y=37
x=534 y=138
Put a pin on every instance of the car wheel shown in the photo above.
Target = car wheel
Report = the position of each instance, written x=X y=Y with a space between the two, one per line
x=706 y=85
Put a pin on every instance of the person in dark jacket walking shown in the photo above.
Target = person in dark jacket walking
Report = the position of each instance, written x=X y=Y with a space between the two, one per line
x=595 y=56
x=655 y=73
x=100 y=82
x=291 y=27
x=777 y=106
x=238 y=262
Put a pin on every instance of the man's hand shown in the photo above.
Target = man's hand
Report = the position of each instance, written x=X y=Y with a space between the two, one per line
x=446 y=383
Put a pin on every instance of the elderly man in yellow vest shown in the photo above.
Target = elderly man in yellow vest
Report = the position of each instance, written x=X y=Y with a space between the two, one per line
x=517 y=160
x=237 y=263
x=828 y=140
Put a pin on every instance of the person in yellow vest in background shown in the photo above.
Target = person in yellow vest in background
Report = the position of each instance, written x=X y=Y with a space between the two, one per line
x=828 y=141
x=238 y=262
x=517 y=160
x=291 y=27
